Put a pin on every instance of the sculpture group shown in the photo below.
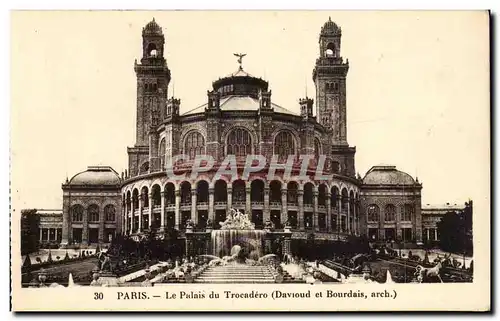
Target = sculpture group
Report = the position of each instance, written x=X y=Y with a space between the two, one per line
x=236 y=220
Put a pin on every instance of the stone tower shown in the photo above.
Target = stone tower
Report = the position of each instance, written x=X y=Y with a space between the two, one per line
x=153 y=77
x=329 y=77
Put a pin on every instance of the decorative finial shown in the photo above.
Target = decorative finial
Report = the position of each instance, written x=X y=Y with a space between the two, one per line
x=240 y=58
x=153 y=19
x=329 y=19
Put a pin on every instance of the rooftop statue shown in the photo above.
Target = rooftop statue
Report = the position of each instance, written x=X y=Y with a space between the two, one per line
x=236 y=220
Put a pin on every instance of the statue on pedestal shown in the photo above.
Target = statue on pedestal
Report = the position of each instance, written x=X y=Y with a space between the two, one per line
x=189 y=225
x=269 y=225
x=209 y=224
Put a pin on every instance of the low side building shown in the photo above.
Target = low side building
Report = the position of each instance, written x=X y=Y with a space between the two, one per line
x=50 y=226
x=391 y=202
x=431 y=215
x=91 y=204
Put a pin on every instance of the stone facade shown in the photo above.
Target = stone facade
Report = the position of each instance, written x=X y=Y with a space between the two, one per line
x=91 y=206
x=239 y=118
x=391 y=203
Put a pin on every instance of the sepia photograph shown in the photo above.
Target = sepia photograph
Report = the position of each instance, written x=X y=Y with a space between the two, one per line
x=203 y=156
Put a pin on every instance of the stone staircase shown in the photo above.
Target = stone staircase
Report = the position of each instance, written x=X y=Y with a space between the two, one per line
x=238 y=273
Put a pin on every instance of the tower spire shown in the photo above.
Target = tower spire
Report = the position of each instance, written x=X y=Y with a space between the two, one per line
x=305 y=85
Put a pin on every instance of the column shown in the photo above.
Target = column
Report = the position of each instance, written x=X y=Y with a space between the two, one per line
x=211 y=204
x=123 y=218
x=355 y=219
x=427 y=234
x=328 y=220
x=339 y=211
x=435 y=234
x=55 y=234
x=248 y=203
x=140 y=213
x=162 y=211
x=267 y=211
x=229 y=198
x=41 y=233
x=194 y=212
x=349 y=215
x=300 y=218
x=359 y=218
x=315 y=211
x=132 y=209
x=284 y=205
x=177 y=208
x=150 y=212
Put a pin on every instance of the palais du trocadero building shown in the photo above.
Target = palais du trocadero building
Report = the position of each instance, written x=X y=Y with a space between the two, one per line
x=238 y=118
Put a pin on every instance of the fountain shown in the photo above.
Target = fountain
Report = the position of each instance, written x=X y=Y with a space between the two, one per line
x=237 y=238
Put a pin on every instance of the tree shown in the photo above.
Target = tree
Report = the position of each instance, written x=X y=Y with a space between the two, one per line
x=455 y=230
x=29 y=231
x=49 y=258
x=27 y=263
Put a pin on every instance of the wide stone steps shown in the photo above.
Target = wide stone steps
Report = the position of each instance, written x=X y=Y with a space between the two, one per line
x=236 y=274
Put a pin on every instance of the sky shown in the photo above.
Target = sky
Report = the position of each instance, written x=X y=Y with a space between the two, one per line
x=417 y=88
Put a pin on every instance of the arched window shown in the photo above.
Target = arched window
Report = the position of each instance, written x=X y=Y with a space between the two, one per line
x=194 y=144
x=109 y=213
x=344 y=200
x=239 y=142
x=135 y=199
x=220 y=191
x=257 y=191
x=239 y=193
x=335 y=167
x=373 y=213
x=407 y=212
x=275 y=191
x=317 y=148
x=335 y=197
x=170 y=194
x=330 y=50
x=284 y=145
x=161 y=153
x=390 y=213
x=185 y=193
x=322 y=194
x=93 y=213
x=308 y=193
x=77 y=213
x=156 y=197
x=144 y=168
x=152 y=51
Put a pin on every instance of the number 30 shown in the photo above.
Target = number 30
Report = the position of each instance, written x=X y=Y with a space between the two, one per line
x=98 y=296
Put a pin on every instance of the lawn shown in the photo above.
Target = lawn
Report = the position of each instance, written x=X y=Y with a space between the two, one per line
x=80 y=270
x=399 y=272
